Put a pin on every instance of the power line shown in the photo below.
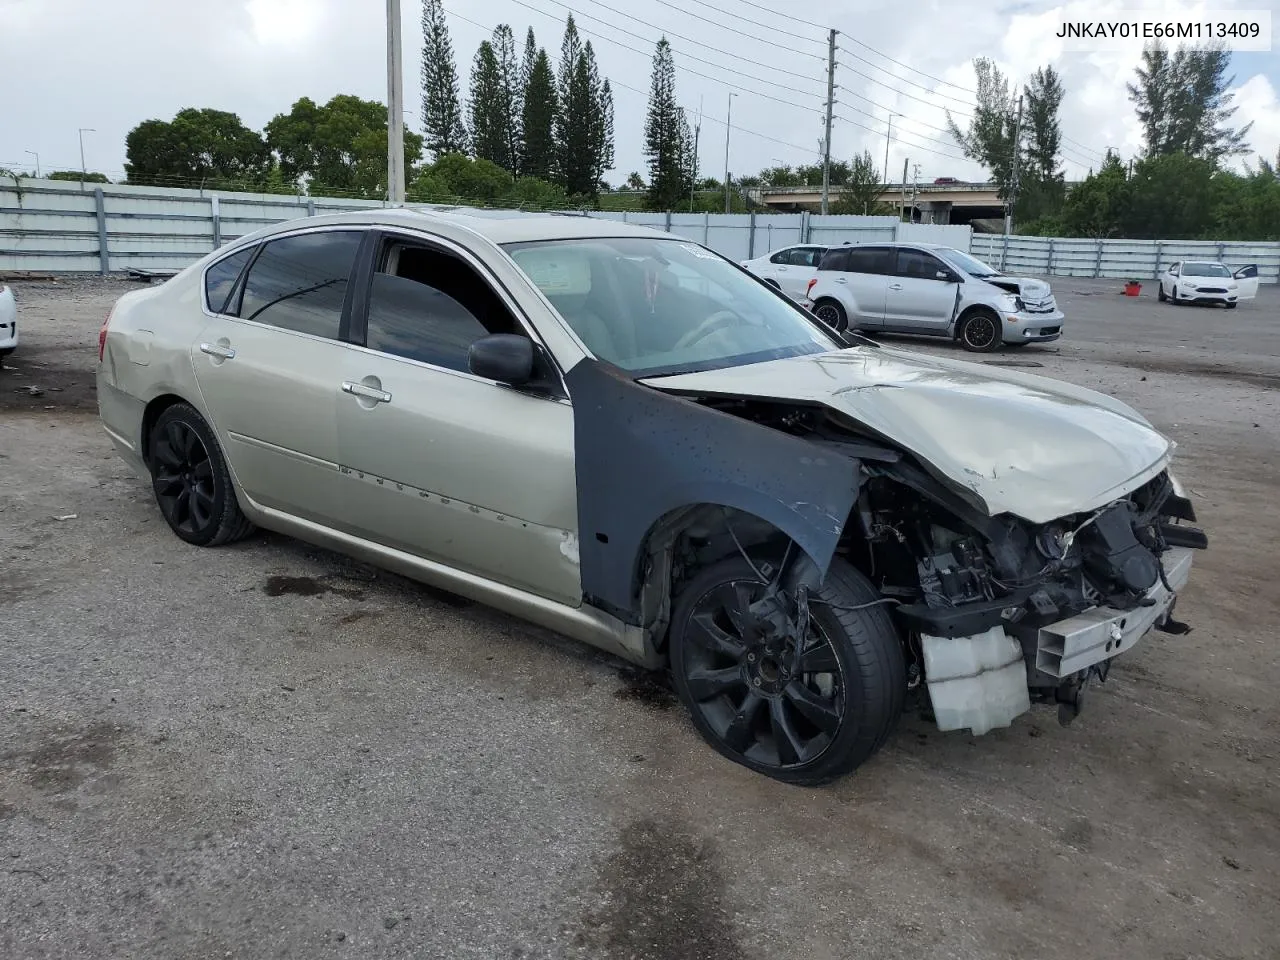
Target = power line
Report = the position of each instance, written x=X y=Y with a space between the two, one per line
x=623 y=86
x=940 y=153
x=722 y=25
x=807 y=23
x=909 y=67
x=876 y=66
x=698 y=43
x=722 y=82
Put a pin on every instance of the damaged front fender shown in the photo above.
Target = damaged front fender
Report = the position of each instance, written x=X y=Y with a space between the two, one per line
x=642 y=454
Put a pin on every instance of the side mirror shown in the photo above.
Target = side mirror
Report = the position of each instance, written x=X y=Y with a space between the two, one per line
x=947 y=276
x=505 y=357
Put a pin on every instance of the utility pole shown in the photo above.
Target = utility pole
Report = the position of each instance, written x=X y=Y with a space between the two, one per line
x=1013 y=185
x=915 y=190
x=831 y=97
x=395 y=108
x=887 y=137
x=902 y=210
x=697 y=129
x=728 y=125
x=84 y=172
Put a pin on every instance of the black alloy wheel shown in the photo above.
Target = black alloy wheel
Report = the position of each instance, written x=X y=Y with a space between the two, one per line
x=980 y=332
x=191 y=481
x=799 y=707
x=832 y=314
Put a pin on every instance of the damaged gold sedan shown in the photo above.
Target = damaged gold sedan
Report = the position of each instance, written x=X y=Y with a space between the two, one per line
x=622 y=436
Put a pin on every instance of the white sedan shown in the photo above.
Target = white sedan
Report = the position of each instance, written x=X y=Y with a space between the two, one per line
x=1207 y=281
x=8 y=323
x=789 y=269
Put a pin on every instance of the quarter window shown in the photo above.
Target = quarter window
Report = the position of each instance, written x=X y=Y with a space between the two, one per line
x=222 y=276
x=430 y=306
x=299 y=283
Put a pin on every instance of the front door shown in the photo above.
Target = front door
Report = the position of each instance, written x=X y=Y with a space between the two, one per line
x=917 y=300
x=1247 y=281
x=269 y=369
x=443 y=464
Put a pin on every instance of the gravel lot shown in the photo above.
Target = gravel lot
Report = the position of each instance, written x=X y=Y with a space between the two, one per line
x=269 y=750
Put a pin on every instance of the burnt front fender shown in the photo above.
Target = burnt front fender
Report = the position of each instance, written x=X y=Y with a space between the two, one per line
x=642 y=453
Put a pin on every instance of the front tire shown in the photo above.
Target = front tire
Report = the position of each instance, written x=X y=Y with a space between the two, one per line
x=981 y=332
x=803 y=716
x=1160 y=294
x=1174 y=297
x=191 y=481
x=832 y=313
x=1232 y=305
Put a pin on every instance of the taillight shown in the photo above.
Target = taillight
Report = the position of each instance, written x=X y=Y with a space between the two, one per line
x=102 y=335
x=809 y=288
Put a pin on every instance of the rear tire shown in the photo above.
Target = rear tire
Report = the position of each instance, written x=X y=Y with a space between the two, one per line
x=832 y=313
x=981 y=332
x=804 y=719
x=191 y=481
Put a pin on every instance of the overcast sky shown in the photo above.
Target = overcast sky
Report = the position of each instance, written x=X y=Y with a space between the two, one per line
x=109 y=64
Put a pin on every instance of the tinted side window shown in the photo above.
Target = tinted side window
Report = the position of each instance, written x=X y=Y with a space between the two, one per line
x=805 y=256
x=222 y=276
x=429 y=306
x=299 y=283
x=837 y=260
x=918 y=264
x=869 y=260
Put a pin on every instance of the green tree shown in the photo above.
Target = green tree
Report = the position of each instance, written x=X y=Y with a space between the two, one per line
x=666 y=134
x=634 y=181
x=1098 y=206
x=490 y=110
x=1183 y=102
x=75 y=176
x=197 y=146
x=456 y=178
x=340 y=147
x=601 y=124
x=1041 y=182
x=991 y=134
x=781 y=176
x=512 y=91
x=538 y=152
x=1154 y=184
x=574 y=131
x=441 y=107
x=860 y=190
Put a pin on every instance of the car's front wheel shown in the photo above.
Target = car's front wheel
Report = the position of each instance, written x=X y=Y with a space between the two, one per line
x=800 y=704
x=1160 y=294
x=980 y=332
x=191 y=481
x=832 y=313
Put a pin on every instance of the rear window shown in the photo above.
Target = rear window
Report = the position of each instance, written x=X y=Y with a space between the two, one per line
x=857 y=260
x=222 y=276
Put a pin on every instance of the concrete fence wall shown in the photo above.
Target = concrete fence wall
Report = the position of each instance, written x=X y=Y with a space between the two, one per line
x=55 y=226
x=1117 y=259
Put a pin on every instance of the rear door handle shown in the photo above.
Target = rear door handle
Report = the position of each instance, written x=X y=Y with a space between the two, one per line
x=217 y=350
x=369 y=393
x=842 y=280
x=895 y=286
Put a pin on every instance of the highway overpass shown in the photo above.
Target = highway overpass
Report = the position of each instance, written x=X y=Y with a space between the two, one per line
x=933 y=202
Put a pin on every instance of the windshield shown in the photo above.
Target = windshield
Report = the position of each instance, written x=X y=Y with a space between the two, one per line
x=657 y=306
x=962 y=261
x=1205 y=270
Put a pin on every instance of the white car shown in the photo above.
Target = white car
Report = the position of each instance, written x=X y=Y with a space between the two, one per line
x=8 y=323
x=1207 y=281
x=789 y=269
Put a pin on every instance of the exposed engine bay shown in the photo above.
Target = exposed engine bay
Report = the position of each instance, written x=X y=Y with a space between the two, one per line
x=1060 y=597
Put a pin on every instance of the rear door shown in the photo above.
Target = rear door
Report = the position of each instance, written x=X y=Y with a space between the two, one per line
x=269 y=367
x=863 y=280
x=801 y=267
x=1247 y=281
x=919 y=297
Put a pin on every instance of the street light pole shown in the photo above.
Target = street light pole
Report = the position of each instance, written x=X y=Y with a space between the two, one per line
x=395 y=109
x=84 y=171
x=37 y=156
x=728 y=125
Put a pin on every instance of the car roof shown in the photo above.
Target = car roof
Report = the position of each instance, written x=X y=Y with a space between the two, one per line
x=497 y=226
x=1207 y=263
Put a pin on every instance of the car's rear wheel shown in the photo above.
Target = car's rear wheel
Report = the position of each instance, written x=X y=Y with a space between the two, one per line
x=980 y=332
x=801 y=709
x=191 y=481
x=831 y=312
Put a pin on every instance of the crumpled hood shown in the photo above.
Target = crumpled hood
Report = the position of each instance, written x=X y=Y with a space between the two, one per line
x=1027 y=445
x=1028 y=288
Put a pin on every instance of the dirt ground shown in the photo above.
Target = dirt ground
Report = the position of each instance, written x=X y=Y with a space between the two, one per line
x=269 y=750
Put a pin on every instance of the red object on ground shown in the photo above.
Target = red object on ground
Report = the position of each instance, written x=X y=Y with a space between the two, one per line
x=1131 y=289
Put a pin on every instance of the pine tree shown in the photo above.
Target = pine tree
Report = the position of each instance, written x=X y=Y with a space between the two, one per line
x=666 y=134
x=573 y=119
x=538 y=122
x=504 y=47
x=488 y=109
x=441 y=106
x=991 y=133
x=1183 y=102
x=1042 y=185
x=601 y=117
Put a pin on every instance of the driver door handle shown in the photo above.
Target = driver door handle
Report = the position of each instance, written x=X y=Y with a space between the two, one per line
x=217 y=350
x=895 y=286
x=369 y=393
